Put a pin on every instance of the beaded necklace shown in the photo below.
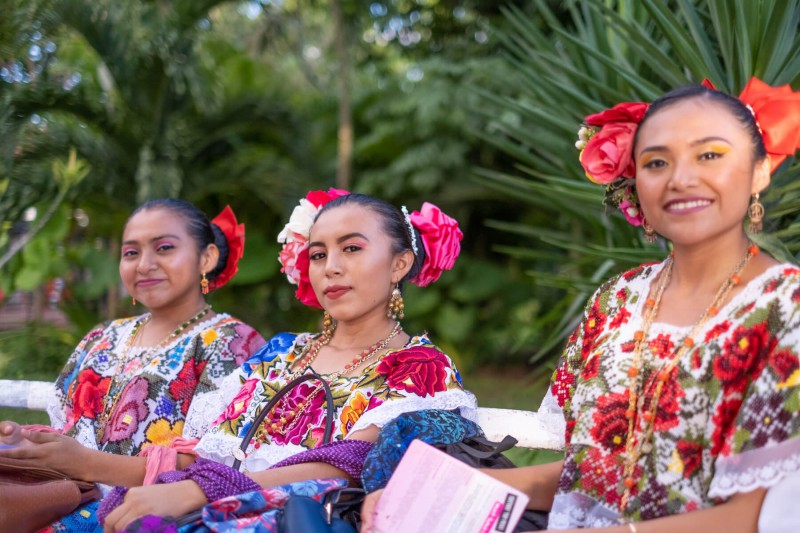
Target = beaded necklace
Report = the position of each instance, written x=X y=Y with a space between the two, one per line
x=289 y=419
x=147 y=355
x=637 y=397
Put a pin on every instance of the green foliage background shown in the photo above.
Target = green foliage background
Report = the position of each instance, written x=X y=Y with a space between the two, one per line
x=473 y=105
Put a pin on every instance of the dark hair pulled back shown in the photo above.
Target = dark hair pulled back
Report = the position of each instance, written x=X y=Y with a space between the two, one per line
x=199 y=227
x=394 y=224
x=735 y=106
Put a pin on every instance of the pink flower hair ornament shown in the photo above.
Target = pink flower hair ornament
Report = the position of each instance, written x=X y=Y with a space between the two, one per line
x=440 y=234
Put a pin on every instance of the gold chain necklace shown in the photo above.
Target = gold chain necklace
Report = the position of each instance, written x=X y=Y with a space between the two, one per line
x=290 y=419
x=636 y=401
x=148 y=354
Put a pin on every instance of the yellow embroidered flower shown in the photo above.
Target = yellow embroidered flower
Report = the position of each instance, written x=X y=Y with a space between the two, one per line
x=353 y=412
x=162 y=432
x=210 y=336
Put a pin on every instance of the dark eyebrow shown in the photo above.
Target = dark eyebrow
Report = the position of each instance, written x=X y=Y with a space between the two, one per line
x=341 y=239
x=659 y=148
x=167 y=235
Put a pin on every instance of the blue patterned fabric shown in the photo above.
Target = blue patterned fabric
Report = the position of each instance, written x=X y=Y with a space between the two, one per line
x=82 y=520
x=432 y=426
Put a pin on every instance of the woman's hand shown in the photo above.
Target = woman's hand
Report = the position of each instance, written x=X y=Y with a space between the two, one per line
x=11 y=434
x=169 y=499
x=368 y=510
x=53 y=450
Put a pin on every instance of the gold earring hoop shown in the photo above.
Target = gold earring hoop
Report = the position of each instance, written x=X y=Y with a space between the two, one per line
x=397 y=307
x=204 y=284
x=649 y=232
x=755 y=214
x=328 y=325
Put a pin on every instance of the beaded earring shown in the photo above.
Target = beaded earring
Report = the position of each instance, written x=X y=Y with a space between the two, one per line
x=755 y=214
x=328 y=326
x=649 y=232
x=396 y=309
x=204 y=284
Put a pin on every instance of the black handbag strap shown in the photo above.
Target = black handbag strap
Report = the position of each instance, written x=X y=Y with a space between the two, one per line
x=326 y=438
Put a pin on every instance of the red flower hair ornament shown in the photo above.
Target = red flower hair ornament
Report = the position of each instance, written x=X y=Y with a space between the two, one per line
x=234 y=235
x=440 y=234
x=605 y=140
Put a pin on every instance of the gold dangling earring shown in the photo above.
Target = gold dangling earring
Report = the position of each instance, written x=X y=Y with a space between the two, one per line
x=396 y=309
x=204 y=284
x=649 y=232
x=133 y=300
x=328 y=325
x=756 y=214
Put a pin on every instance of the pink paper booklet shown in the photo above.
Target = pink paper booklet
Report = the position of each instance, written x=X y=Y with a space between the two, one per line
x=431 y=492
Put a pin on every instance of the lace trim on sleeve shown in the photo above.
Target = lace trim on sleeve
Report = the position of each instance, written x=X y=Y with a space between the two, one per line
x=205 y=408
x=760 y=468
x=462 y=400
x=551 y=417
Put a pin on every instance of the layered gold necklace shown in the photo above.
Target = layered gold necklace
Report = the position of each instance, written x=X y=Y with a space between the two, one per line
x=289 y=420
x=147 y=356
x=637 y=397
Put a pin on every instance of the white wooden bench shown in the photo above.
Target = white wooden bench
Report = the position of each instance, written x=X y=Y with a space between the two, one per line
x=496 y=423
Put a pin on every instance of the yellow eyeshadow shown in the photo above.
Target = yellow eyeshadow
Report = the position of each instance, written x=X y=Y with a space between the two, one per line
x=718 y=148
x=646 y=159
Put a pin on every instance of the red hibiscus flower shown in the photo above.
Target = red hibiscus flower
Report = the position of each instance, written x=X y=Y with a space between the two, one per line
x=784 y=362
x=88 y=393
x=691 y=453
x=420 y=371
x=723 y=420
x=183 y=387
x=610 y=425
x=743 y=355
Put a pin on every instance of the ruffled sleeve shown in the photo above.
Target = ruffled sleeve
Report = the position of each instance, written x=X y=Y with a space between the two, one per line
x=756 y=423
x=224 y=348
x=417 y=377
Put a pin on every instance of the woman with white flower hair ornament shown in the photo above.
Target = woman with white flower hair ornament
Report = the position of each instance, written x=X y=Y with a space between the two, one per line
x=348 y=254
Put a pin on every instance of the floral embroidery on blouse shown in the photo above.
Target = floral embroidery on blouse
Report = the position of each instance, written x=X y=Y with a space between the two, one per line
x=157 y=395
x=727 y=421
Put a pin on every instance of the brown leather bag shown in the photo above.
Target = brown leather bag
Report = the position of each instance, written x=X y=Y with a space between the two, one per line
x=33 y=497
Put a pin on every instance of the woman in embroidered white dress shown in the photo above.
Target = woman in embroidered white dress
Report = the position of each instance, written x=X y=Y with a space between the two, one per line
x=351 y=262
x=680 y=386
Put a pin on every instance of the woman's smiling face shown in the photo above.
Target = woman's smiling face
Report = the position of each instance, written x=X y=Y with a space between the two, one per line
x=695 y=171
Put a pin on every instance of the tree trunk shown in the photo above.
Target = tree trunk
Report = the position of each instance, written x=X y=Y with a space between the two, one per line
x=345 y=130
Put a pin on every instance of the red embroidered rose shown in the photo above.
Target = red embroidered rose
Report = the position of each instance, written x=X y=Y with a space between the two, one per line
x=744 y=354
x=661 y=346
x=592 y=328
x=619 y=318
x=88 y=393
x=668 y=405
x=183 y=387
x=723 y=419
x=718 y=330
x=691 y=453
x=421 y=371
x=610 y=425
x=784 y=362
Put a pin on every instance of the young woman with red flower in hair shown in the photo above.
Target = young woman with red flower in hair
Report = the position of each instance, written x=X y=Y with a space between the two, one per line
x=349 y=255
x=133 y=385
x=679 y=388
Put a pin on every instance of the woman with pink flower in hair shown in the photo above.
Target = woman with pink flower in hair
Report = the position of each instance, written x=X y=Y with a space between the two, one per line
x=677 y=394
x=349 y=255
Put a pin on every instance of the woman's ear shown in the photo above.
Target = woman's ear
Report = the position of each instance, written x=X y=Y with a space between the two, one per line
x=401 y=264
x=761 y=175
x=209 y=258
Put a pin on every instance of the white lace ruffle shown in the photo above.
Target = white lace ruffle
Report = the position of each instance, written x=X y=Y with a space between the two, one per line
x=753 y=469
x=551 y=417
x=55 y=410
x=576 y=510
x=451 y=399
x=219 y=447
